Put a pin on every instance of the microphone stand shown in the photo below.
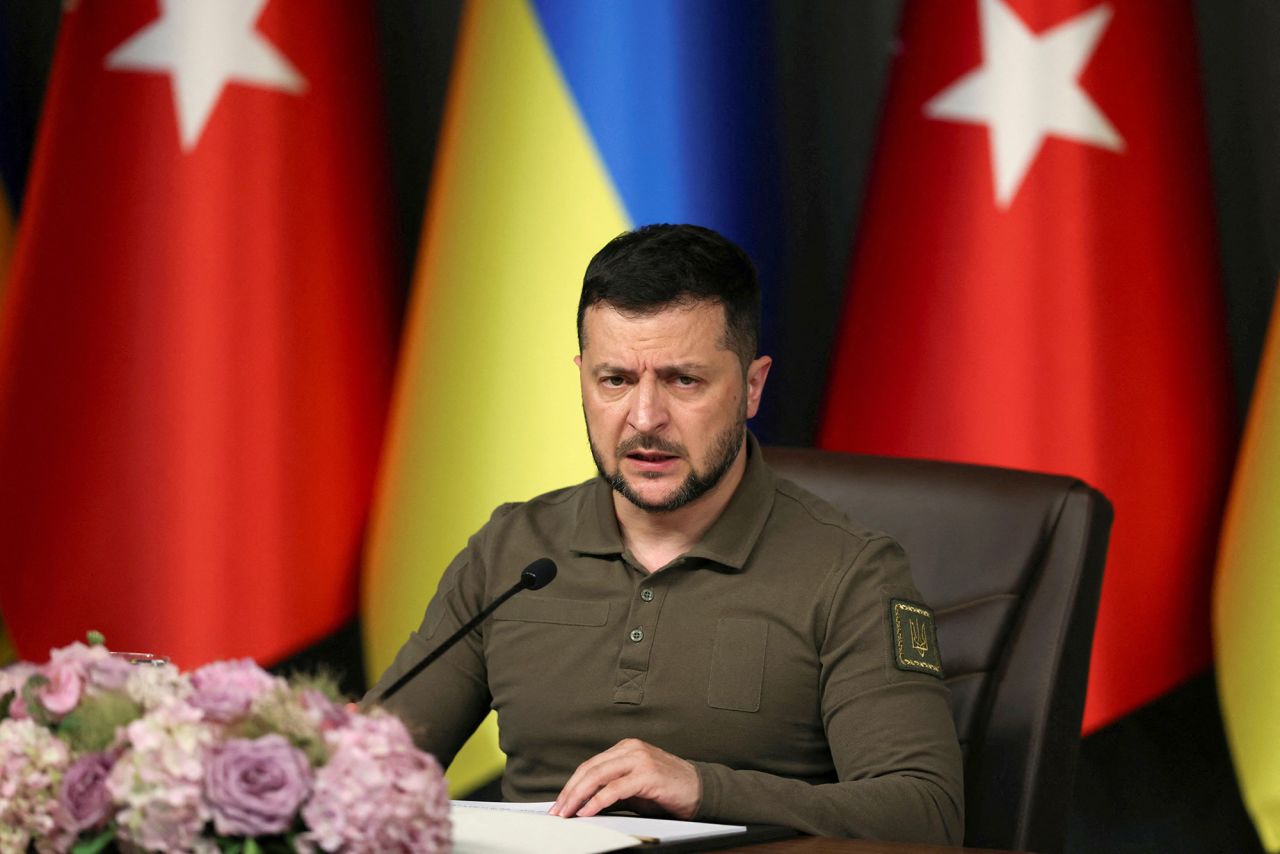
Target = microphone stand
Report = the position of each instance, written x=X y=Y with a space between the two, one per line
x=528 y=580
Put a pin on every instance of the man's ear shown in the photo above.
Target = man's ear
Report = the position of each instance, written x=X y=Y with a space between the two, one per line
x=577 y=360
x=757 y=373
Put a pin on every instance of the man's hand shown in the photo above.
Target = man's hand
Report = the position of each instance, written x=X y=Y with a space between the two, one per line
x=646 y=778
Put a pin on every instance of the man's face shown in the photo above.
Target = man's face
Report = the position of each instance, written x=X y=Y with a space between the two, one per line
x=666 y=404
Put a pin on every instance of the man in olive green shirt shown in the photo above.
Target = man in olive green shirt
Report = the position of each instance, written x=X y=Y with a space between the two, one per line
x=719 y=643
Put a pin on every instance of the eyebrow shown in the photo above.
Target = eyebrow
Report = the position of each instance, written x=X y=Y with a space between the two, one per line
x=677 y=368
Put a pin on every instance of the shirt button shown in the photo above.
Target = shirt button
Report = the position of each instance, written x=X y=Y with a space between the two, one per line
x=637 y=635
x=646 y=594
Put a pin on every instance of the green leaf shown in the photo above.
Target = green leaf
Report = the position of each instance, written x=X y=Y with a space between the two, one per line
x=35 y=708
x=251 y=846
x=324 y=679
x=95 y=638
x=91 y=726
x=97 y=843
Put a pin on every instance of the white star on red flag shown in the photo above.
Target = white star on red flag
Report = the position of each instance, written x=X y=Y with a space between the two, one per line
x=1027 y=88
x=203 y=45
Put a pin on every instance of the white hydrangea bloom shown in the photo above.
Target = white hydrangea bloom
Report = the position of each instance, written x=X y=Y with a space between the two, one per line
x=152 y=686
x=159 y=779
x=32 y=762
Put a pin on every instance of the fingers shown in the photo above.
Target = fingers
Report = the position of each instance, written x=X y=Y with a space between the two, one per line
x=609 y=794
x=631 y=771
x=605 y=785
x=586 y=780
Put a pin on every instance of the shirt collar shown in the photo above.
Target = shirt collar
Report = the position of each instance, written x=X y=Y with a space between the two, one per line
x=597 y=531
x=729 y=540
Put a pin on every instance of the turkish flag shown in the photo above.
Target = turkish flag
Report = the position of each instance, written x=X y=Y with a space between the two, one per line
x=197 y=342
x=1035 y=286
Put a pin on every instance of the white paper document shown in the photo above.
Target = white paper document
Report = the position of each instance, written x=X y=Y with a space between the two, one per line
x=498 y=828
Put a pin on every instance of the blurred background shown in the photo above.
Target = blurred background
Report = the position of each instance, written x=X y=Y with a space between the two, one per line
x=287 y=293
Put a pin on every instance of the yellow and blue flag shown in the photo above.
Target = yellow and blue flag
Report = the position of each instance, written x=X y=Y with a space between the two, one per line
x=1246 y=594
x=566 y=124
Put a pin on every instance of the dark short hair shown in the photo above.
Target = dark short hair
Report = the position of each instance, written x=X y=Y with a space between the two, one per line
x=659 y=266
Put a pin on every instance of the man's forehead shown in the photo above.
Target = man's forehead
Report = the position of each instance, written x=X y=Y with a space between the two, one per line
x=696 y=325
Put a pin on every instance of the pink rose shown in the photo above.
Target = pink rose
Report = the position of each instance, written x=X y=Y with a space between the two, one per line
x=98 y=667
x=62 y=693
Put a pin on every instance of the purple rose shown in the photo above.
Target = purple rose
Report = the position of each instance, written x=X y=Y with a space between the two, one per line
x=109 y=673
x=225 y=690
x=255 y=786
x=83 y=794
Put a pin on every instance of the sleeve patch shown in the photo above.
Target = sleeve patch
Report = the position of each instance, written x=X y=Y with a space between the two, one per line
x=915 y=640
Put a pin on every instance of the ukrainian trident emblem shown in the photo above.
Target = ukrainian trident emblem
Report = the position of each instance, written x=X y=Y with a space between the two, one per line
x=919 y=636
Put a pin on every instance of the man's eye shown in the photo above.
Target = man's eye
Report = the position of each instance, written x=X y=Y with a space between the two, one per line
x=686 y=382
x=613 y=382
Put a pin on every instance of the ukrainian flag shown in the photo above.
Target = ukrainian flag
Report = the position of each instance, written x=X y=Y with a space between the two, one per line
x=1246 y=596
x=566 y=124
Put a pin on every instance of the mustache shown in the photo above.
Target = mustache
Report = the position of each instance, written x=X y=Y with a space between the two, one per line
x=651 y=443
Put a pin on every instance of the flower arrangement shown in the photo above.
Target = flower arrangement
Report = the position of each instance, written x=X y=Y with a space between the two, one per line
x=99 y=754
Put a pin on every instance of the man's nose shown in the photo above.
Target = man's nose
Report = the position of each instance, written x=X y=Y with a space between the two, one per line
x=648 y=406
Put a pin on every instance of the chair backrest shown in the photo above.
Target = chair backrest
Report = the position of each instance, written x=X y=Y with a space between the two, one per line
x=1011 y=562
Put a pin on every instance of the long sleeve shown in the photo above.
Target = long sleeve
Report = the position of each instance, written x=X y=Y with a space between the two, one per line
x=765 y=655
x=444 y=703
x=890 y=731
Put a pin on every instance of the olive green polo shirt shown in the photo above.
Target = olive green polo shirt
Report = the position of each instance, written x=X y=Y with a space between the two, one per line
x=765 y=655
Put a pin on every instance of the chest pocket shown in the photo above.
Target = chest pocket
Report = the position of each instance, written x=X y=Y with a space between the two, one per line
x=564 y=612
x=737 y=665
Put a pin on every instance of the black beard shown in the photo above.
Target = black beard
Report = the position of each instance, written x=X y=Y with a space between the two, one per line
x=724 y=451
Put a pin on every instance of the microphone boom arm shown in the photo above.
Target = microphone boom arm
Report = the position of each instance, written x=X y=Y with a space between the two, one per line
x=537 y=574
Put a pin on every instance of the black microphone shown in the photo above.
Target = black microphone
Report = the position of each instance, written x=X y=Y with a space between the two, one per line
x=535 y=576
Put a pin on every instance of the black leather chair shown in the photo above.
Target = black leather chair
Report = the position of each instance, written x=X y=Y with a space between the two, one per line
x=1011 y=561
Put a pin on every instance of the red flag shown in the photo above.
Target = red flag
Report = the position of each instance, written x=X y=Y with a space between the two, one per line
x=196 y=349
x=1036 y=286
